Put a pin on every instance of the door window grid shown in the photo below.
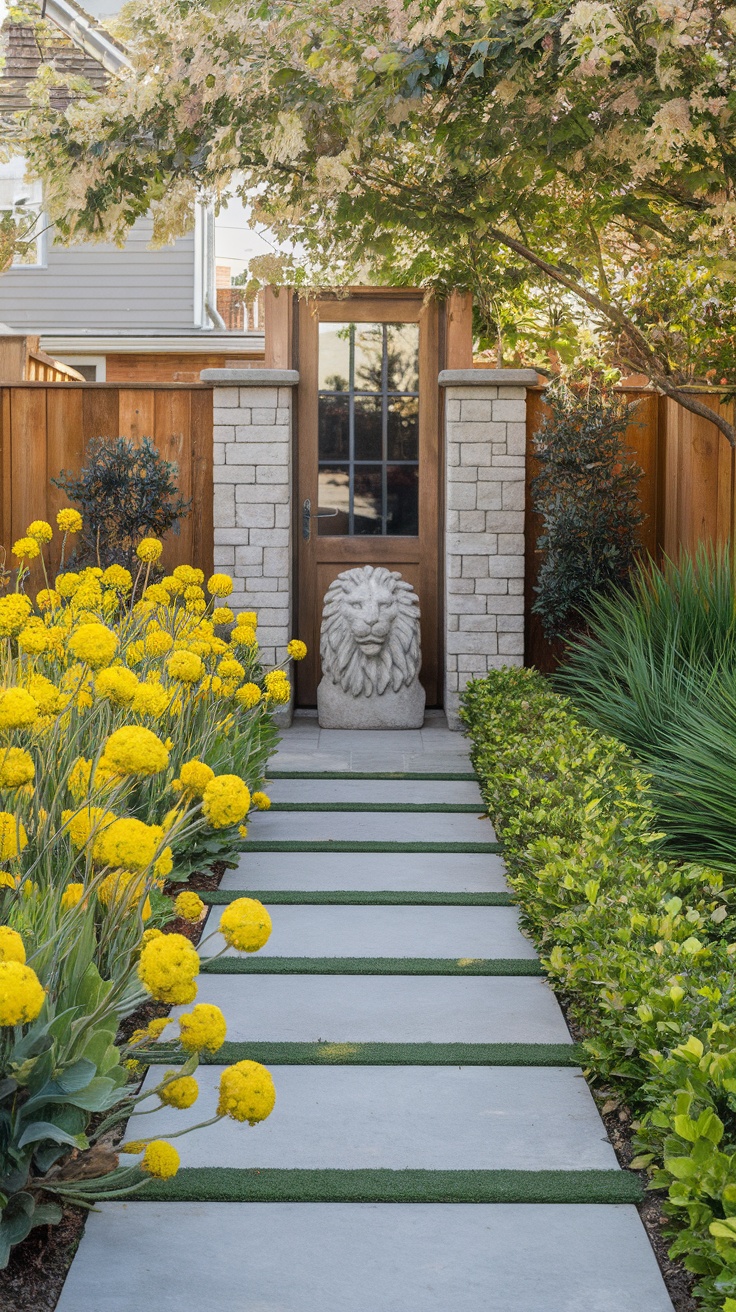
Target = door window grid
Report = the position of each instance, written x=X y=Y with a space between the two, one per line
x=397 y=510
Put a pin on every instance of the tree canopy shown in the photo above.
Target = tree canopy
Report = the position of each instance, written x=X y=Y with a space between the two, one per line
x=571 y=164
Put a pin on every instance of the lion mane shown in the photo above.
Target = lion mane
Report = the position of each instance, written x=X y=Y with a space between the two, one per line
x=398 y=661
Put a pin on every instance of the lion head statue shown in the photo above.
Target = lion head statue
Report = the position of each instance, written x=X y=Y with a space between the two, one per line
x=370 y=631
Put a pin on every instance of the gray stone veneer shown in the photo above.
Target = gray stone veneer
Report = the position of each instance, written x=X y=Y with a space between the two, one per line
x=485 y=418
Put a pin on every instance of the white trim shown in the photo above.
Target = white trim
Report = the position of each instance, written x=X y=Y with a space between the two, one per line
x=249 y=344
x=199 y=314
x=99 y=361
x=85 y=33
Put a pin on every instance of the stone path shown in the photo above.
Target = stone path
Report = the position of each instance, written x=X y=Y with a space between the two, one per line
x=412 y=1163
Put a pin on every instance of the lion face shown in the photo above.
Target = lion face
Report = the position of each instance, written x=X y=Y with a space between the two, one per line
x=370 y=631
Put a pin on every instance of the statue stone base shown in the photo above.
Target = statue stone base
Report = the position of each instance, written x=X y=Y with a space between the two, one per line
x=337 y=709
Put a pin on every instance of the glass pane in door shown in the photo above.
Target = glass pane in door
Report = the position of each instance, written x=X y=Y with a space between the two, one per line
x=368 y=429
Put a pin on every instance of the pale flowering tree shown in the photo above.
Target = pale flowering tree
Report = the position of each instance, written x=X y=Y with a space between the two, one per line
x=543 y=156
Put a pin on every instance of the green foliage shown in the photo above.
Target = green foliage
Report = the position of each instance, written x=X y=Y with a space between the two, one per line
x=640 y=946
x=587 y=495
x=125 y=492
x=656 y=668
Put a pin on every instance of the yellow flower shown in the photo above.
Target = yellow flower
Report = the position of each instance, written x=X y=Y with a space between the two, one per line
x=158 y=642
x=185 y=666
x=155 y=1028
x=21 y=993
x=194 y=777
x=148 y=936
x=149 y=549
x=9 y=881
x=14 y=611
x=16 y=767
x=222 y=615
x=26 y=549
x=11 y=945
x=150 y=699
x=46 y=695
x=93 y=643
x=226 y=801
x=157 y=594
x=18 y=709
x=47 y=599
x=73 y=893
x=247 y=1092
x=172 y=585
x=243 y=831
x=129 y=844
x=243 y=635
x=88 y=823
x=297 y=649
x=121 y=887
x=168 y=968
x=189 y=906
x=135 y=750
x=133 y=1145
x=135 y=653
x=202 y=1029
x=186 y=575
x=116 y=684
x=277 y=686
x=261 y=801
x=181 y=1093
x=118 y=578
x=248 y=617
x=13 y=836
x=219 y=585
x=245 y=925
x=69 y=521
x=228 y=668
x=249 y=695
x=161 y=1160
x=40 y=530
x=34 y=639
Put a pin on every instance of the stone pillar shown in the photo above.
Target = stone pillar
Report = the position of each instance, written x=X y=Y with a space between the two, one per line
x=252 y=466
x=485 y=423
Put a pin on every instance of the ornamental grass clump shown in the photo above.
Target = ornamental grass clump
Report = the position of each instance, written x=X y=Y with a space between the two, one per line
x=117 y=776
x=642 y=947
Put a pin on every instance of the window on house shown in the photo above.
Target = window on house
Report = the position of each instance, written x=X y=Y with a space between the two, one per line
x=24 y=200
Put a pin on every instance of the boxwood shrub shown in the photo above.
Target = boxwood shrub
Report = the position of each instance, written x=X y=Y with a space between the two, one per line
x=641 y=947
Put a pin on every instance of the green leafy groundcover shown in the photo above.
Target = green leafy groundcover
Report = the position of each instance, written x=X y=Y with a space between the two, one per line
x=642 y=947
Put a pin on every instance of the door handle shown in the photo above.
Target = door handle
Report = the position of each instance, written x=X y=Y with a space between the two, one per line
x=308 y=514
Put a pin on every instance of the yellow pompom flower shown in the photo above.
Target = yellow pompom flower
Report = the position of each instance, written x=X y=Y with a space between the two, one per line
x=181 y=1093
x=186 y=575
x=47 y=599
x=160 y=1159
x=128 y=843
x=249 y=695
x=48 y=698
x=149 y=550
x=90 y=822
x=243 y=635
x=245 y=924
x=277 y=686
x=189 y=906
x=247 y=1092
x=9 y=881
x=18 y=709
x=135 y=750
x=297 y=649
x=248 y=617
x=26 y=549
x=158 y=643
x=155 y=1028
x=13 y=836
x=40 y=530
x=150 y=699
x=133 y=1145
x=220 y=585
x=226 y=801
x=118 y=578
x=14 y=611
x=194 y=777
x=229 y=668
x=16 y=767
x=135 y=652
x=148 y=936
x=185 y=666
x=157 y=594
x=21 y=993
x=11 y=945
x=222 y=615
x=34 y=639
x=94 y=644
x=72 y=895
x=69 y=521
x=67 y=584
x=203 y=1029
x=116 y=684
x=168 y=968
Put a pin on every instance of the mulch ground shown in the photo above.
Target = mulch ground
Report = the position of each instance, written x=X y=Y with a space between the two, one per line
x=34 y=1277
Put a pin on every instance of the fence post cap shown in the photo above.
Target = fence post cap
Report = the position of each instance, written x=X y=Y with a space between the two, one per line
x=251 y=377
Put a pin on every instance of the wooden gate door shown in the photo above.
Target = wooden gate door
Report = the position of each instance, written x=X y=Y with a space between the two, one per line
x=368 y=457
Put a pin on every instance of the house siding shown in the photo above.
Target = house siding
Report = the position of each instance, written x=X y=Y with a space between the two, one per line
x=104 y=288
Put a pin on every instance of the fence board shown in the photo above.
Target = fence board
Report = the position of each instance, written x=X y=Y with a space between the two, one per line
x=45 y=428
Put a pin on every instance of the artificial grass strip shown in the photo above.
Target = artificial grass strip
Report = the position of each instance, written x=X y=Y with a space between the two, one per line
x=436 y=775
x=269 y=1185
x=358 y=897
x=370 y=966
x=378 y=1054
x=341 y=845
x=463 y=808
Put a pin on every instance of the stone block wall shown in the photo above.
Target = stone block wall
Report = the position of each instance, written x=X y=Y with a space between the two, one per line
x=485 y=424
x=252 y=435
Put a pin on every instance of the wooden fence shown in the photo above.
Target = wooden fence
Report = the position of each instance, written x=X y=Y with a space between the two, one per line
x=45 y=427
x=687 y=492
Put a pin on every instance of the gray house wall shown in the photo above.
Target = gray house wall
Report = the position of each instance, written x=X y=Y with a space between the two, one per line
x=101 y=287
